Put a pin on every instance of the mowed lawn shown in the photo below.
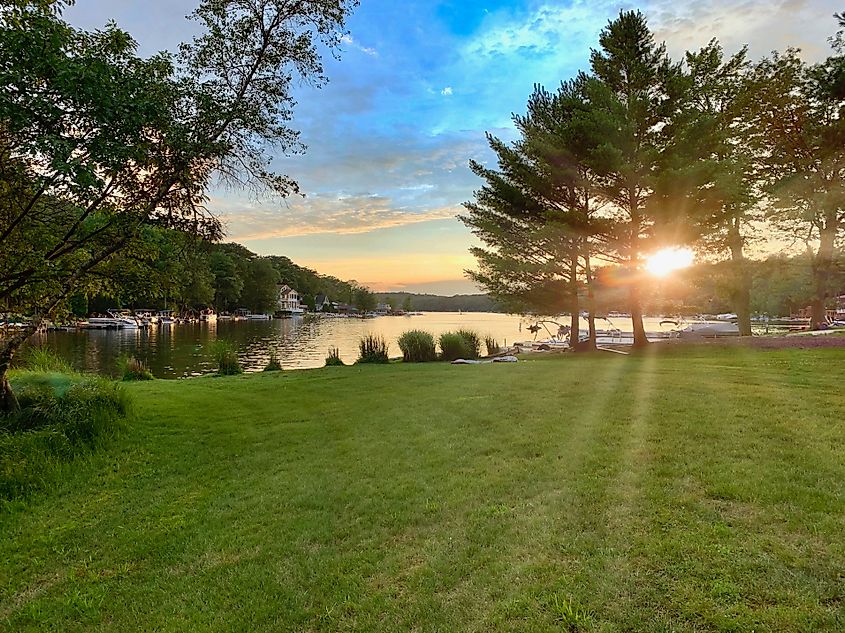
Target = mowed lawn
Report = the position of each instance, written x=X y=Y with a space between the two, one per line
x=684 y=489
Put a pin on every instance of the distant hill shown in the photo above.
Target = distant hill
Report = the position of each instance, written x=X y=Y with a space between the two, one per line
x=436 y=303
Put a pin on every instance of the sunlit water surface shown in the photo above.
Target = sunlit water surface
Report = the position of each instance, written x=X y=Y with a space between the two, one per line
x=183 y=350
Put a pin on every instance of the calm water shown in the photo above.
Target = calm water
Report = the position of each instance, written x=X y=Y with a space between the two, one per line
x=182 y=350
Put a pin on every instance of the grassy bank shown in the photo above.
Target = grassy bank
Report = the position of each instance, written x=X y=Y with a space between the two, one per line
x=696 y=489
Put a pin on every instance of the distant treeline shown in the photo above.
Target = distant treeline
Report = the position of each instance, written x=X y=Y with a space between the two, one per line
x=436 y=303
x=169 y=269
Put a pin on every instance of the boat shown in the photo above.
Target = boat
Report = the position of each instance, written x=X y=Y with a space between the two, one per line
x=708 y=329
x=258 y=317
x=113 y=320
x=208 y=315
x=165 y=318
x=146 y=316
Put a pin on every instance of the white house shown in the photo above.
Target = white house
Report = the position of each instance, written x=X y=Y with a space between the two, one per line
x=289 y=300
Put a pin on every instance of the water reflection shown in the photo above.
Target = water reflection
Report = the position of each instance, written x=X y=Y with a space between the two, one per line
x=183 y=350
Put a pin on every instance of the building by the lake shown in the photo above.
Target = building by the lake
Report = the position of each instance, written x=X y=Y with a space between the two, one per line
x=289 y=300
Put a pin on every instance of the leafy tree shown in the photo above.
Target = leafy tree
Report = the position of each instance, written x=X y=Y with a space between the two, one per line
x=96 y=143
x=801 y=136
x=708 y=174
x=364 y=300
x=260 y=293
x=407 y=305
x=228 y=284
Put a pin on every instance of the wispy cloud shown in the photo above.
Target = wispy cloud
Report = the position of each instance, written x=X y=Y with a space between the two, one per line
x=350 y=41
x=320 y=214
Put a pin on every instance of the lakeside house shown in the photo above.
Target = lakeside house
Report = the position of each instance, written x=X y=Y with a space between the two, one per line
x=383 y=308
x=322 y=303
x=289 y=300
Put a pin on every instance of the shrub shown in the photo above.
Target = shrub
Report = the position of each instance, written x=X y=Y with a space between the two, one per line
x=453 y=346
x=460 y=344
x=334 y=359
x=373 y=349
x=417 y=347
x=492 y=345
x=226 y=358
x=273 y=364
x=61 y=417
x=133 y=369
x=473 y=342
x=43 y=359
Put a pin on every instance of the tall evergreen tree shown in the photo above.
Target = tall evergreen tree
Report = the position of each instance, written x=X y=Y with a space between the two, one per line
x=533 y=213
x=634 y=95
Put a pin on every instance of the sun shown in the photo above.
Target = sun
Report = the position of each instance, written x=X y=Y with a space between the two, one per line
x=668 y=260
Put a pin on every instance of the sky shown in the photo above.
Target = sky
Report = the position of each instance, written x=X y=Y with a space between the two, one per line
x=416 y=86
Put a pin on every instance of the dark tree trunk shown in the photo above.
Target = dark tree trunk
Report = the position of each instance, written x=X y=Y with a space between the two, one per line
x=591 y=302
x=822 y=266
x=741 y=293
x=574 y=311
x=640 y=339
x=9 y=344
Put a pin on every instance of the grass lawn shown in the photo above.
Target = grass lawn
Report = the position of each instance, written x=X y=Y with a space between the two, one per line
x=686 y=489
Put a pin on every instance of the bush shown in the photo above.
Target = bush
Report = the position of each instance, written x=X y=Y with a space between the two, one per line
x=472 y=341
x=133 y=369
x=373 y=349
x=43 y=359
x=417 y=347
x=334 y=359
x=273 y=364
x=61 y=417
x=453 y=346
x=460 y=344
x=226 y=358
x=492 y=346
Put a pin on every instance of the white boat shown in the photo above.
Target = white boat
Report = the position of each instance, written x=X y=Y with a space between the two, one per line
x=146 y=316
x=208 y=315
x=258 y=317
x=165 y=318
x=114 y=320
x=708 y=329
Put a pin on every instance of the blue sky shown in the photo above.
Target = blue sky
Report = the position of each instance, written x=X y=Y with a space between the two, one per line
x=417 y=85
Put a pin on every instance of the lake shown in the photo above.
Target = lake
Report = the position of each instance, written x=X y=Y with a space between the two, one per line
x=183 y=350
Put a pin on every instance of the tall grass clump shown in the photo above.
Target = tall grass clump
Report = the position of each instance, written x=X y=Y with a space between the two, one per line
x=133 y=369
x=453 y=346
x=43 y=359
x=334 y=359
x=460 y=344
x=226 y=358
x=373 y=349
x=492 y=346
x=61 y=417
x=472 y=341
x=417 y=347
x=273 y=364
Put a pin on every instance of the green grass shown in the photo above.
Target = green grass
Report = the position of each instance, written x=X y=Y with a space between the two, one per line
x=687 y=490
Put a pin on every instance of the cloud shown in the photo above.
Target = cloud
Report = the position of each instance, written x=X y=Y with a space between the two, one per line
x=319 y=214
x=350 y=41
x=447 y=91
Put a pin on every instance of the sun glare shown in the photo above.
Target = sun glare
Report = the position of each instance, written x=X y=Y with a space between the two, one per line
x=668 y=260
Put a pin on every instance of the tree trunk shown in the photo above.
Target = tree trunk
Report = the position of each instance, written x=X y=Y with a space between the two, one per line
x=591 y=302
x=640 y=339
x=9 y=344
x=822 y=265
x=574 y=312
x=741 y=293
